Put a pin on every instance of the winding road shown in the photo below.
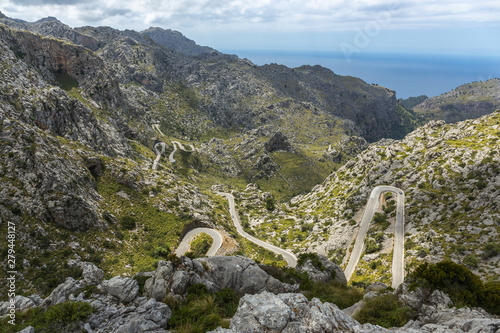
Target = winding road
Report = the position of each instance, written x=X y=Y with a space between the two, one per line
x=216 y=236
x=398 y=254
x=181 y=147
x=289 y=257
x=158 y=153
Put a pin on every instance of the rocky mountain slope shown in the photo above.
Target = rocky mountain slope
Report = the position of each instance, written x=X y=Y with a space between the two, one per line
x=450 y=175
x=468 y=101
x=77 y=109
x=232 y=292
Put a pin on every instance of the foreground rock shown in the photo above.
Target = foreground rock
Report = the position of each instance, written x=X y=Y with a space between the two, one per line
x=238 y=273
x=435 y=313
x=292 y=313
x=125 y=289
x=143 y=315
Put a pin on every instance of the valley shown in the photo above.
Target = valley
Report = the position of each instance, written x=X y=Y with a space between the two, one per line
x=123 y=151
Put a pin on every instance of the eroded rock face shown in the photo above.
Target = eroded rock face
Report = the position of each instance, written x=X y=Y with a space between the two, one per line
x=292 y=313
x=21 y=304
x=238 y=273
x=143 y=315
x=278 y=142
x=329 y=271
x=61 y=293
x=125 y=289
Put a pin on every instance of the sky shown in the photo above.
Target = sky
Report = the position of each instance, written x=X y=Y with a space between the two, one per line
x=444 y=26
x=351 y=28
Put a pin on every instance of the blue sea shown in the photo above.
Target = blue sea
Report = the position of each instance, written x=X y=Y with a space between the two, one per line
x=408 y=74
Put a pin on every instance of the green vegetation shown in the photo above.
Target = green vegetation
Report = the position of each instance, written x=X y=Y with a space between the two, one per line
x=57 y=318
x=463 y=287
x=380 y=219
x=65 y=81
x=270 y=204
x=491 y=249
x=332 y=292
x=371 y=246
x=316 y=262
x=200 y=246
x=203 y=311
x=52 y=274
x=128 y=223
x=155 y=231
x=384 y=310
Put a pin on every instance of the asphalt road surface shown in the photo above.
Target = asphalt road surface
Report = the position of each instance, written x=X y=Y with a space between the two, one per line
x=158 y=153
x=175 y=144
x=398 y=254
x=184 y=245
x=289 y=257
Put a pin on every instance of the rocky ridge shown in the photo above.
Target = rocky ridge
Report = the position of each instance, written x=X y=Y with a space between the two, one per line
x=120 y=307
x=450 y=176
x=469 y=101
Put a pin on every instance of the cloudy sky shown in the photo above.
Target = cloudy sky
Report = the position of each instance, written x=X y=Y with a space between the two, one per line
x=443 y=26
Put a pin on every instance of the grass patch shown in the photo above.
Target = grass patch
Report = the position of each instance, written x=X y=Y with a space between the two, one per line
x=65 y=81
x=385 y=311
x=200 y=246
x=63 y=317
x=203 y=311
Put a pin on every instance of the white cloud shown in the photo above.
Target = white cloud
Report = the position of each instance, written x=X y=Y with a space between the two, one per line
x=257 y=15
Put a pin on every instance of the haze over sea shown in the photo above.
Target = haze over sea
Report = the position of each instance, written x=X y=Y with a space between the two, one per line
x=408 y=74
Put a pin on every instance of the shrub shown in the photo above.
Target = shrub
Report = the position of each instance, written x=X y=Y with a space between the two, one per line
x=384 y=310
x=381 y=219
x=287 y=275
x=490 y=250
x=333 y=292
x=63 y=317
x=128 y=223
x=371 y=246
x=471 y=261
x=196 y=291
x=227 y=300
x=161 y=252
x=270 y=205
x=141 y=280
x=491 y=298
x=316 y=262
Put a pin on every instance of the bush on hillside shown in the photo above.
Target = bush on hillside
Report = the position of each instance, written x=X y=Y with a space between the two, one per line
x=316 y=262
x=128 y=223
x=457 y=281
x=491 y=298
x=384 y=310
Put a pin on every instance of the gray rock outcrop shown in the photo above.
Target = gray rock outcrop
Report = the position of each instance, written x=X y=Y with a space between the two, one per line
x=61 y=293
x=328 y=272
x=125 y=289
x=91 y=274
x=143 y=315
x=21 y=304
x=292 y=313
x=28 y=329
x=238 y=273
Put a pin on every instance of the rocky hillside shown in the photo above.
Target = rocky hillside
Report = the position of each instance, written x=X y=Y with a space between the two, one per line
x=235 y=293
x=468 y=101
x=228 y=92
x=82 y=114
x=450 y=175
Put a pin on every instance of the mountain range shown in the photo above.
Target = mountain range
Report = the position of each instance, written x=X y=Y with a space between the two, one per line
x=82 y=111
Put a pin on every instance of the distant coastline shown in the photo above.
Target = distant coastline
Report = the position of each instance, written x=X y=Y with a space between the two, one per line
x=409 y=74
